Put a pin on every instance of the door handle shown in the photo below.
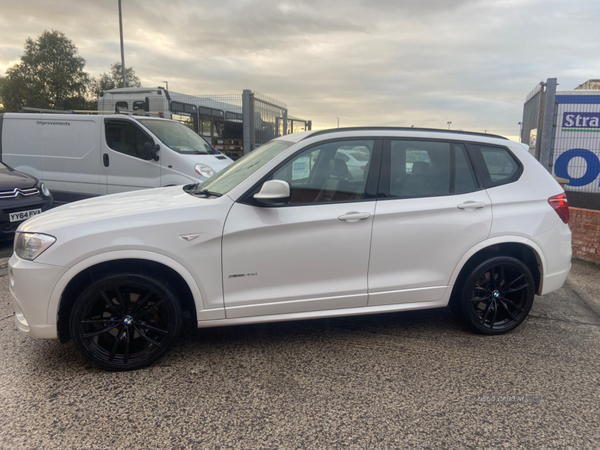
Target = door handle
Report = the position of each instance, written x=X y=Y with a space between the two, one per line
x=105 y=159
x=471 y=205
x=354 y=216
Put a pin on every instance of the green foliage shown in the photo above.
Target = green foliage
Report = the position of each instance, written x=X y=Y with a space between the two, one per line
x=114 y=79
x=50 y=72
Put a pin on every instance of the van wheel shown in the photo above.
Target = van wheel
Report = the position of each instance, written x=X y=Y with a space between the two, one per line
x=497 y=295
x=125 y=322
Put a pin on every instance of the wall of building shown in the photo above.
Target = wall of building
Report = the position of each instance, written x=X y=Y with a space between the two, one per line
x=585 y=226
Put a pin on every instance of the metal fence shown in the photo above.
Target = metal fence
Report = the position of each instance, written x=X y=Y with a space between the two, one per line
x=532 y=116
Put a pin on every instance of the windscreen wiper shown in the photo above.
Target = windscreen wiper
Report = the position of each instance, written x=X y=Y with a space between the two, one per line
x=208 y=193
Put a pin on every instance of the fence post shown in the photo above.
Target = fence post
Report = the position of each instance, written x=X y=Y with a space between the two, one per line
x=247 y=121
x=285 y=121
x=548 y=124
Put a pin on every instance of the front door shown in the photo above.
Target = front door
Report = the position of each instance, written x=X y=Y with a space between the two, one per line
x=122 y=157
x=311 y=254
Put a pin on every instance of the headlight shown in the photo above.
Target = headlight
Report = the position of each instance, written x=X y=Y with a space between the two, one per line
x=31 y=245
x=204 y=170
x=45 y=190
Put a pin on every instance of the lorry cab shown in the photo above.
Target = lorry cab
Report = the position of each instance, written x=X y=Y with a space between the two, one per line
x=81 y=156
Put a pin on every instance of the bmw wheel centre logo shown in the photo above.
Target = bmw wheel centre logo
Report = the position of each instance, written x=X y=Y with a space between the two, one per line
x=128 y=320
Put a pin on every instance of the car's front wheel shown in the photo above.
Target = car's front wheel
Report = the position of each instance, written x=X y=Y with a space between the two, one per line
x=125 y=321
x=497 y=295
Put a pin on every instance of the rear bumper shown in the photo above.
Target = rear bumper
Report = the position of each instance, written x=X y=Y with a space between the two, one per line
x=556 y=245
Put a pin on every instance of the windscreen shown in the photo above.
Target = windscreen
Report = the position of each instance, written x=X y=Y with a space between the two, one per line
x=178 y=137
x=232 y=175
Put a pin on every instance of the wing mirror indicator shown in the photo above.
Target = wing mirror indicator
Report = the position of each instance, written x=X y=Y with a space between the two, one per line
x=274 y=193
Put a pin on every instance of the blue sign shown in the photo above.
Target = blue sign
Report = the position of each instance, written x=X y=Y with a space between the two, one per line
x=592 y=170
x=581 y=121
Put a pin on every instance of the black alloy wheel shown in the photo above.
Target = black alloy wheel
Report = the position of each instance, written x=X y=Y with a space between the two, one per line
x=498 y=295
x=125 y=322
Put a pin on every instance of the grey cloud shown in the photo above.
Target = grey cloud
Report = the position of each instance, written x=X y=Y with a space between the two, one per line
x=421 y=62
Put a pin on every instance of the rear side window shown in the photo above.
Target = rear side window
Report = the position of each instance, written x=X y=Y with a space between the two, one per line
x=496 y=165
x=428 y=169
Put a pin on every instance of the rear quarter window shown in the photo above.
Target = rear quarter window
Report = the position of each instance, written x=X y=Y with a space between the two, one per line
x=495 y=165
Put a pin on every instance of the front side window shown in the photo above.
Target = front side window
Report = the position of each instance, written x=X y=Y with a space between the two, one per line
x=330 y=172
x=125 y=137
x=121 y=106
x=429 y=169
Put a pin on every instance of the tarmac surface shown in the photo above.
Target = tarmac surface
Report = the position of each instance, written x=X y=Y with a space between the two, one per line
x=407 y=380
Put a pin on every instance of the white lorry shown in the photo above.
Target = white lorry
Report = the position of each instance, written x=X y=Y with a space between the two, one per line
x=79 y=156
x=209 y=117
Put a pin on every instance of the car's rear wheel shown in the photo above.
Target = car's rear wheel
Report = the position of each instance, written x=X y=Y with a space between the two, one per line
x=125 y=322
x=497 y=295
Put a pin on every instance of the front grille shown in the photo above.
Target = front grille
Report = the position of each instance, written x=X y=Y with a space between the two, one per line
x=19 y=192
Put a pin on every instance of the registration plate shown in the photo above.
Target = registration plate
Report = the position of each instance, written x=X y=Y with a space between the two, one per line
x=22 y=215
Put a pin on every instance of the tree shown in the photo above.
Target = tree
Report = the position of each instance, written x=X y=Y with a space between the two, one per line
x=114 y=79
x=49 y=74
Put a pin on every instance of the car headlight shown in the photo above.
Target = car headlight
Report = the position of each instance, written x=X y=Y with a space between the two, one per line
x=31 y=245
x=204 y=170
x=44 y=190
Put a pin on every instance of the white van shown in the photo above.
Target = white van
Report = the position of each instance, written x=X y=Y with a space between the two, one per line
x=80 y=156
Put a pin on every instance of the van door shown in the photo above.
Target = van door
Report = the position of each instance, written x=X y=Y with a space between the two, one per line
x=123 y=157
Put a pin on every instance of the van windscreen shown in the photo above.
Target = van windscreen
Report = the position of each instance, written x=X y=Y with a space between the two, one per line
x=178 y=137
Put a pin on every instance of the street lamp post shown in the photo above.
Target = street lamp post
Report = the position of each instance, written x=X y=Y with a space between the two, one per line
x=449 y=123
x=122 y=51
x=338 y=120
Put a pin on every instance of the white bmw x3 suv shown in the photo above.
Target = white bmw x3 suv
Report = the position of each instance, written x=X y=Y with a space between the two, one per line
x=434 y=219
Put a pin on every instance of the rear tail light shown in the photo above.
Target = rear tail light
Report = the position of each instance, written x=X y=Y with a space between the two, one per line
x=561 y=206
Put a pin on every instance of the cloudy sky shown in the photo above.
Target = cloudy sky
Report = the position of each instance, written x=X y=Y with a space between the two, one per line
x=368 y=62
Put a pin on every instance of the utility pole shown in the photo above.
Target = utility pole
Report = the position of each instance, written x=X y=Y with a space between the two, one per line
x=122 y=51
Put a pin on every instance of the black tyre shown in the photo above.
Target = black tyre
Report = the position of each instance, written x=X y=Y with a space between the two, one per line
x=497 y=295
x=125 y=322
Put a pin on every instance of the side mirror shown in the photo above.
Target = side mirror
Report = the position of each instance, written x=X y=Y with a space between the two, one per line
x=274 y=193
x=151 y=151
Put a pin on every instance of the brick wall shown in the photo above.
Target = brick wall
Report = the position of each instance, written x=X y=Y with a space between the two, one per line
x=585 y=226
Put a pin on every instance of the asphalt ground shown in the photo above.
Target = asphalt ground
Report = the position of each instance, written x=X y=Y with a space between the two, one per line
x=407 y=380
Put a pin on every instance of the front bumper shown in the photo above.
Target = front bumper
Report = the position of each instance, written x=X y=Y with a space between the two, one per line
x=31 y=285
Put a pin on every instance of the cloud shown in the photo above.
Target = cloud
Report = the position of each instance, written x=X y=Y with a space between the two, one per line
x=384 y=62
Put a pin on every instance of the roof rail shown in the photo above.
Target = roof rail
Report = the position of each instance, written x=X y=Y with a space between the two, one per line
x=89 y=111
x=434 y=130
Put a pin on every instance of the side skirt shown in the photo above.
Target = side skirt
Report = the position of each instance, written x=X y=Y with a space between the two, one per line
x=363 y=310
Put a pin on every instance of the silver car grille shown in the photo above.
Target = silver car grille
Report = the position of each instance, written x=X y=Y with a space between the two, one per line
x=22 y=192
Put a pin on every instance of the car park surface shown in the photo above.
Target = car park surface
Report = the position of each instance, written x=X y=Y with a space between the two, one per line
x=403 y=380
x=475 y=223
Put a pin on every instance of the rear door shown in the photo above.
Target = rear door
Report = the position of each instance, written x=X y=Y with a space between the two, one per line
x=431 y=210
x=122 y=157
